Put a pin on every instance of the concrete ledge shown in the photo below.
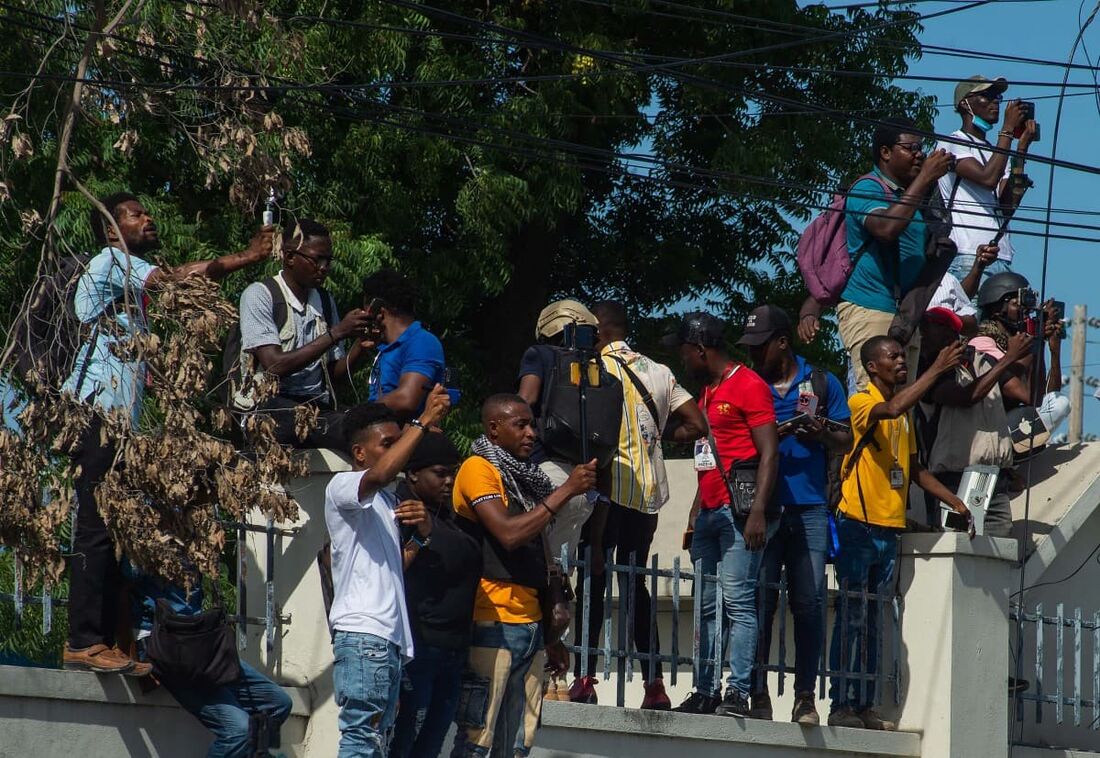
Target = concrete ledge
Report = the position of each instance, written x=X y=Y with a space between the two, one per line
x=955 y=543
x=1050 y=752
x=81 y=686
x=592 y=730
x=326 y=461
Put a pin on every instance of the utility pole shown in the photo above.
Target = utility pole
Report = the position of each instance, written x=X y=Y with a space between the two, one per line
x=1077 y=374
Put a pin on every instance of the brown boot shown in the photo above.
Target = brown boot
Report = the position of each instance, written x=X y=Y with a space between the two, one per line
x=98 y=658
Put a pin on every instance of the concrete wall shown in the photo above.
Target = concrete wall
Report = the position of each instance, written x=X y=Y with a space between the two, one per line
x=46 y=713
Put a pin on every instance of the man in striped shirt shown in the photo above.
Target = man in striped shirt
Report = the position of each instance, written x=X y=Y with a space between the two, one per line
x=636 y=487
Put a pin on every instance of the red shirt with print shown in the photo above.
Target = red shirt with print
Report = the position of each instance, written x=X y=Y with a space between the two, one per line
x=738 y=405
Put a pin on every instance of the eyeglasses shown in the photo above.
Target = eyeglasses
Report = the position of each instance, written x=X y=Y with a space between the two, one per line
x=913 y=147
x=317 y=261
x=991 y=98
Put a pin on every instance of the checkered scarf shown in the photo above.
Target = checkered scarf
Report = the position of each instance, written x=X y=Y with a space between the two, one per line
x=524 y=482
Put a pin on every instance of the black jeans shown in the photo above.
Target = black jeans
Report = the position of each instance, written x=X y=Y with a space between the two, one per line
x=330 y=424
x=94 y=579
x=627 y=531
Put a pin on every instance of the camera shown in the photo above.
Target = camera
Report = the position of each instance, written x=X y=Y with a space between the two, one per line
x=1027 y=298
x=579 y=336
x=1027 y=107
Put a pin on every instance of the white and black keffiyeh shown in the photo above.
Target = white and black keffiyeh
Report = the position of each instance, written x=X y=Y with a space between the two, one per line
x=524 y=481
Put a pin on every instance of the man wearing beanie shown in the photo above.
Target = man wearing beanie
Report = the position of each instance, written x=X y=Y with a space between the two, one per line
x=440 y=586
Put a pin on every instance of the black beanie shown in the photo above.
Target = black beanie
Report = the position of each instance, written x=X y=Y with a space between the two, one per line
x=434 y=449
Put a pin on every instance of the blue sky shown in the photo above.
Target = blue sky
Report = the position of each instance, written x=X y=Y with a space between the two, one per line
x=1044 y=29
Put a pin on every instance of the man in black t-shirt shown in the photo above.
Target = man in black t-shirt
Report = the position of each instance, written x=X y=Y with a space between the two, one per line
x=534 y=371
x=440 y=586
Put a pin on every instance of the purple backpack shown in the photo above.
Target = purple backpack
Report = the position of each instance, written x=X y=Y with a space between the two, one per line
x=823 y=256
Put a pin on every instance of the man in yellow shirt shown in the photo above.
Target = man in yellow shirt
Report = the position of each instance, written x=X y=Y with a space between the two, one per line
x=512 y=501
x=871 y=514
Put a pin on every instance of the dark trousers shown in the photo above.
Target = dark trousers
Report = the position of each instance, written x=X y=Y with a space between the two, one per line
x=94 y=579
x=330 y=424
x=627 y=531
x=800 y=546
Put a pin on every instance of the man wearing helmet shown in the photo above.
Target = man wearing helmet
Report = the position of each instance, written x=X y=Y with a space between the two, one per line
x=1008 y=306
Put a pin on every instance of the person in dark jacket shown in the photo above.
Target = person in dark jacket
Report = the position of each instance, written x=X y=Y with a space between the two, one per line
x=440 y=587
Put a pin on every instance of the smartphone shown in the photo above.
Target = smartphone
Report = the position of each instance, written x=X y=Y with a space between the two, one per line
x=689 y=535
x=1059 y=314
x=1028 y=109
x=793 y=423
x=374 y=309
x=834 y=426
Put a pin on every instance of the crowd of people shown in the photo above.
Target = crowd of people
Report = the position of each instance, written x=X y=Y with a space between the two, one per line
x=447 y=604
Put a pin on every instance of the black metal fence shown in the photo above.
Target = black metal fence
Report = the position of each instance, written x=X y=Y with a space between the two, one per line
x=617 y=651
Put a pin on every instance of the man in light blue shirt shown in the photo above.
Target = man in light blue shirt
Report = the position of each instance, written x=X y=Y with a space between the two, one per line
x=887 y=230
x=110 y=298
x=410 y=358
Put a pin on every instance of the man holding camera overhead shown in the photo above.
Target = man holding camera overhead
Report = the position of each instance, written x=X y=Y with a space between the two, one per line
x=985 y=187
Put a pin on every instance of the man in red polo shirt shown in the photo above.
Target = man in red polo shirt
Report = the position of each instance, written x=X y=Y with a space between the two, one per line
x=742 y=447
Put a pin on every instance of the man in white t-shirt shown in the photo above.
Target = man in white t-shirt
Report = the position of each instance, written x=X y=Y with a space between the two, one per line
x=985 y=188
x=373 y=540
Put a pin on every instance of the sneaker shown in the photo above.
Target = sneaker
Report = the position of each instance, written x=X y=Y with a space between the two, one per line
x=871 y=720
x=656 y=699
x=1016 y=686
x=845 y=716
x=583 y=690
x=697 y=702
x=98 y=658
x=804 y=711
x=761 y=706
x=733 y=704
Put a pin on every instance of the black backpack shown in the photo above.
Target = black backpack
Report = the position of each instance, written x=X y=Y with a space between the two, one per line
x=559 y=419
x=231 y=353
x=48 y=335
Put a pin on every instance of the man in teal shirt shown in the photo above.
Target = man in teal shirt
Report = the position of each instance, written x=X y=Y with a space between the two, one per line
x=885 y=222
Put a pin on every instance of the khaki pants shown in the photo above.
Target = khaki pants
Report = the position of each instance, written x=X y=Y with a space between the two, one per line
x=857 y=325
x=566 y=529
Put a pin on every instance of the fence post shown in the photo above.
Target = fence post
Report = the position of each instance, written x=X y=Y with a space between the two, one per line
x=963 y=658
x=1077 y=374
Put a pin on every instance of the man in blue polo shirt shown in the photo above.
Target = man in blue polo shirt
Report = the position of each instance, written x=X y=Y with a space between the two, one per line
x=804 y=398
x=887 y=231
x=410 y=358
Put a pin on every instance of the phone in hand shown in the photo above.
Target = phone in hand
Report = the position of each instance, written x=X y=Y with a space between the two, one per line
x=834 y=426
x=794 y=422
x=689 y=537
x=374 y=310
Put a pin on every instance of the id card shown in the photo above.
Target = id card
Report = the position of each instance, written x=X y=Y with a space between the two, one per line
x=807 y=403
x=704 y=456
x=897 y=477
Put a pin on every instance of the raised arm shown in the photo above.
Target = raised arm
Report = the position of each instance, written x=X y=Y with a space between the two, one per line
x=259 y=249
x=959 y=396
x=911 y=393
x=397 y=455
x=887 y=224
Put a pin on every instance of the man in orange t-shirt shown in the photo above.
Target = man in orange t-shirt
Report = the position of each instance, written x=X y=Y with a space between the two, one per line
x=513 y=501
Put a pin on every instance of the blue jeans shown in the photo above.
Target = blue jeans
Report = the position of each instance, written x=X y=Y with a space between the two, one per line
x=501 y=699
x=719 y=543
x=228 y=712
x=800 y=545
x=430 y=685
x=867 y=557
x=961 y=265
x=367 y=682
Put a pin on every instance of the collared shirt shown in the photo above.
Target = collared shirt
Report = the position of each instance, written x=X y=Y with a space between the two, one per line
x=741 y=402
x=871 y=284
x=803 y=476
x=637 y=471
x=416 y=351
x=896 y=441
x=307 y=320
x=112 y=287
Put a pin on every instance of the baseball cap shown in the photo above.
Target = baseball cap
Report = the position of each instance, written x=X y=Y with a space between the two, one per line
x=697 y=328
x=763 y=323
x=554 y=317
x=944 y=317
x=979 y=83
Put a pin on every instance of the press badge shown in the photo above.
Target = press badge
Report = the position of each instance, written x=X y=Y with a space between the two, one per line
x=897 y=477
x=704 y=456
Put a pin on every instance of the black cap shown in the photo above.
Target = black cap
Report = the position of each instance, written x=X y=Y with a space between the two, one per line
x=434 y=449
x=697 y=328
x=763 y=323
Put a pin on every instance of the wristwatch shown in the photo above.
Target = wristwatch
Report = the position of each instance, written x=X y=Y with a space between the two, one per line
x=420 y=543
x=418 y=424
